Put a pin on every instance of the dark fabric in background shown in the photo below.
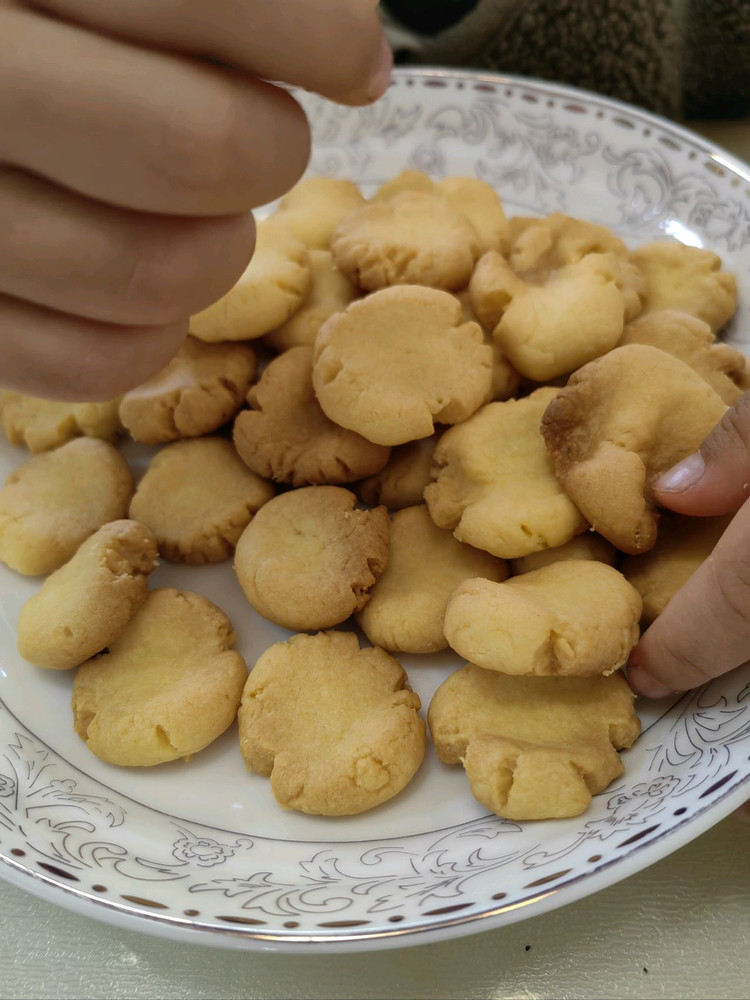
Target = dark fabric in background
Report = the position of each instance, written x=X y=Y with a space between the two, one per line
x=681 y=58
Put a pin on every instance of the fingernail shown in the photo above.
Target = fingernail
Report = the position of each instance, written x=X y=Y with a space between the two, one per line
x=682 y=476
x=382 y=76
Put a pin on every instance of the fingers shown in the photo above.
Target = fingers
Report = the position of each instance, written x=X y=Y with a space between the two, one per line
x=333 y=47
x=705 y=629
x=50 y=354
x=68 y=253
x=716 y=479
x=142 y=129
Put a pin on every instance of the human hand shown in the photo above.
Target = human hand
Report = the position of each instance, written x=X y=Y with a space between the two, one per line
x=129 y=165
x=705 y=629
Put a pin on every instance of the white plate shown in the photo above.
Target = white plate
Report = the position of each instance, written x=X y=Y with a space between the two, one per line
x=201 y=852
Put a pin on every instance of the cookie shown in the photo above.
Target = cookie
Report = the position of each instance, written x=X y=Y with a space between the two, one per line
x=167 y=688
x=621 y=422
x=495 y=486
x=475 y=199
x=201 y=388
x=691 y=340
x=683 y=544
x=272 y=288
x=533 y=747
x=197 y=497
x=407 y=604
x=402 y=480
x=399 y=361
x=547 y=328
x=587 y=545
x=86 y=604
x=55 y=500
x=309 y=557
x=315 y=207
x=410 y=239
x=330 y=292
x=686 y=278
x=286 y=436
x=576 y=617
x=335 y=727
x=43 y=424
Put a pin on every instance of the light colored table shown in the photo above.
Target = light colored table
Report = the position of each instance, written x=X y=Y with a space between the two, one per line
x=678 y=929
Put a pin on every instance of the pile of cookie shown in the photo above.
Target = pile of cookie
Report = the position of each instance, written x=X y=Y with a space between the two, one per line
x=414 y=415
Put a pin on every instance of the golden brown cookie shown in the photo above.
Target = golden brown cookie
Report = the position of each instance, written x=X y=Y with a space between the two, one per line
x=86 y=604
x=309 y=557
x=197 y=496
x=620 y=422
x=576 y=618
x=169 y=686
x=401 y=482
x=271 y=290
x=330 y=292
x=495 y=486
x=54 y=501
x=683 y=544
x=686 y=278
x=315 y=207
x=43 y=424
x=407 y=604
x=410 y=239
x=201 y=388
x=286 y=436
x=533 y=747
x=550 y=325
x=691 y=340
x=399 y=361
x=474 y=198
x=587 y=545
x=335 y=727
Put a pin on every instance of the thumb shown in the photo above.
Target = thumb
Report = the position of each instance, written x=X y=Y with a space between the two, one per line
x=716 y=478
x=704 y=631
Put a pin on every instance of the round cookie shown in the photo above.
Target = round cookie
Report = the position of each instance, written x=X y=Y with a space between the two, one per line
x=54 y=501
x=474 y=198
x=315 y=207
x=43 y=424
x=533 y=747
x=402 y=481
x=271 y=290
x=169 y=686
x=576 y=617
x=334 y=726
x=495 y=486
x=309 y=557
x=399 y=361
x=330 y=292
x=202 y=387
x=410 y=239
x=286 y=436
x=407 y=604
x=686 y=278
x=86 y=604
x=197 y=496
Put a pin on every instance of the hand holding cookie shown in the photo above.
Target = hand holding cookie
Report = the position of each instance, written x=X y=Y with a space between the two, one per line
x=705 y=629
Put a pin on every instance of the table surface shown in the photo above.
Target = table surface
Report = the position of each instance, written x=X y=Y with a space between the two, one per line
x=678 y=929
